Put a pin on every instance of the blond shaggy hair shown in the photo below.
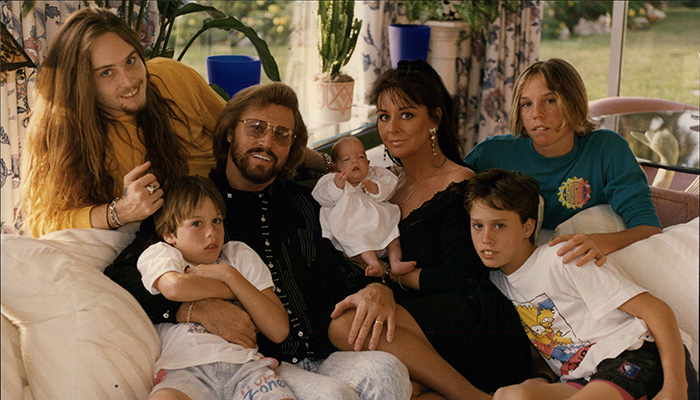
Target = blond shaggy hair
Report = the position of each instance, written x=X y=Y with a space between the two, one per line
x=563 y=80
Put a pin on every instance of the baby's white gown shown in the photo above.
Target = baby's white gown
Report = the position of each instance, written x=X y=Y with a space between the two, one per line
x=356 y=220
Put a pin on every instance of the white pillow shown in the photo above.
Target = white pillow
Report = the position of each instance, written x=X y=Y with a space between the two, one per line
x=13 y=382
x=82 y=336
x=667 y=264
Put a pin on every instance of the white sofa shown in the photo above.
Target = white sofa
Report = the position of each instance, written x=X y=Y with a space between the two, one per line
x=69 y=332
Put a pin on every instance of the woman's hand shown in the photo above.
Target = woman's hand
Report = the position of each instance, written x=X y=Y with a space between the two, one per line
x=142 y=195
x=375 y=308
x=581 y=246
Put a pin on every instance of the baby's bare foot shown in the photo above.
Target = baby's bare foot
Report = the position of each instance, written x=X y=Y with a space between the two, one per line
x=373 y=270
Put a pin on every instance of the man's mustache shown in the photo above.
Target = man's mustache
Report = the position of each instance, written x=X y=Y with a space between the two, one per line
x=272 y=155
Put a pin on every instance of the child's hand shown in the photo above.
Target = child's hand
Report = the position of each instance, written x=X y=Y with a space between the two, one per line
x=340 y=179
x=581 y=246
x=219 y=272
x=370 y=186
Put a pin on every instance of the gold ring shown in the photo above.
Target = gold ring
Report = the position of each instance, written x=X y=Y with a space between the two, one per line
x=152 y=188
x=379 y=322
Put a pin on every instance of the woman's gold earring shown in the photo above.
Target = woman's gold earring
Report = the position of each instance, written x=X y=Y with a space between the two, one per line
x=433 y=140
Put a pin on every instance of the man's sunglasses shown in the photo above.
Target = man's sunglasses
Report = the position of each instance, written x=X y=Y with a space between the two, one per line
x=257 y=128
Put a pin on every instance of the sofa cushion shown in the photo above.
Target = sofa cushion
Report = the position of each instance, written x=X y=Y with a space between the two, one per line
x=82 y=336
x=673 y=206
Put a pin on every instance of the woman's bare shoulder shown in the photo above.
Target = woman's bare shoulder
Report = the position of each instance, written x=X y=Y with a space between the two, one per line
x=458 y=173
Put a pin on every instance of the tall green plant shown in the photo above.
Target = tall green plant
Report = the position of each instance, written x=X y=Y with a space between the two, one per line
x=169 y=10
x=478 y=14
x=338 y=31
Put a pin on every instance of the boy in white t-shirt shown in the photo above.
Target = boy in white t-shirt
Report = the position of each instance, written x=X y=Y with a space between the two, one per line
x=195 y=264
x=602 y=335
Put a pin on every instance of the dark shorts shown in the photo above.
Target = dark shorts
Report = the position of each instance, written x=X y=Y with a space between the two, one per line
x=637 y=372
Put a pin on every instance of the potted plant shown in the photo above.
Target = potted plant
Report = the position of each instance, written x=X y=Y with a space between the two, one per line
x=169 y=10
x=477 y=14
x=448 y=21
x=338 y=31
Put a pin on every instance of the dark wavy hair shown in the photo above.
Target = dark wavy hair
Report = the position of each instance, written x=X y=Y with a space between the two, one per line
x=418 y=83
x=505 y=190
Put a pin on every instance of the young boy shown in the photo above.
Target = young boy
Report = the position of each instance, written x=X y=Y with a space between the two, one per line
x=604 y=336
x=195 y=264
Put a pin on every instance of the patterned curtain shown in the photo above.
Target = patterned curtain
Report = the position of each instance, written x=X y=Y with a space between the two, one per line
x=33 y=24
x=486 y=68
x=512 y=45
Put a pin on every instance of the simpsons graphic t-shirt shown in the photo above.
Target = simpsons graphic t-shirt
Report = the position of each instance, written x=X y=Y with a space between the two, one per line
x=570 y=313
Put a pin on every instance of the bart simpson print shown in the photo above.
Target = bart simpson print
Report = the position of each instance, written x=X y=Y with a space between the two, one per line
x=555 y=346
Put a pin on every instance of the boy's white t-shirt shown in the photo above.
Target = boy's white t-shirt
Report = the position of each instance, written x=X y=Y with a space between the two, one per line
x=189 y=344
x=570 y=313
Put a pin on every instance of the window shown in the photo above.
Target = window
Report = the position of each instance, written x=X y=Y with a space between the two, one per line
x=659 y=52
x=288 y=27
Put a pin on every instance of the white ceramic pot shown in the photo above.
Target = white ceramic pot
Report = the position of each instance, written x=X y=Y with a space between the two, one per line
x=444 y=49
x=332 y=101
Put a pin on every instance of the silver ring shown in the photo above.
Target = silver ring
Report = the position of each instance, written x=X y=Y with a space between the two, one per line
x=152 y=188
x=379 y=322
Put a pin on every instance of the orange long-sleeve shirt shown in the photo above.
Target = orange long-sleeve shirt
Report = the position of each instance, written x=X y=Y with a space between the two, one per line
x=197 y=105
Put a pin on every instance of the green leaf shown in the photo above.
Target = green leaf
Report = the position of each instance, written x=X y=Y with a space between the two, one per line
x=220 y=91
x=190 y=8
x=27 y=7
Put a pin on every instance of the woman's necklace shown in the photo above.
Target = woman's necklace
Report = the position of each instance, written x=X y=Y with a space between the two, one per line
x=415 y=187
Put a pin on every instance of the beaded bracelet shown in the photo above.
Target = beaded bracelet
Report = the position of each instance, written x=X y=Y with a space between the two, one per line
x=109 y=223
x=327 y=160
x=386 y=276
x=113 y=219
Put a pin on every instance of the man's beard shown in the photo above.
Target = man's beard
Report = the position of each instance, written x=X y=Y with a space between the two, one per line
x=134 y=111
x=138 y=108
x=259 y=174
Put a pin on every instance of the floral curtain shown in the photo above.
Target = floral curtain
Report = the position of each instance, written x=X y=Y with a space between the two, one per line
x=512 y=45
x=486 y=68
x=33 y=24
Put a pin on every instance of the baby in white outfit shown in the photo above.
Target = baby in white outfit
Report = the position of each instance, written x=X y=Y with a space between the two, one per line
x=355 y=212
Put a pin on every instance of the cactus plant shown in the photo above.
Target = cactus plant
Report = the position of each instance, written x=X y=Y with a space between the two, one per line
x=338 y=31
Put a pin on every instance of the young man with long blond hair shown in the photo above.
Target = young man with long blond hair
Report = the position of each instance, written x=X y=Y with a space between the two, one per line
x=108 y=128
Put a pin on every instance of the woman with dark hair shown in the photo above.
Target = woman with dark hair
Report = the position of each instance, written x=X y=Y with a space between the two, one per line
x=463 y=315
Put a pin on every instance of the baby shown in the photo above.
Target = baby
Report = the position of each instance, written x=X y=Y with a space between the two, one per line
x=355 y=213
x=194 y=264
